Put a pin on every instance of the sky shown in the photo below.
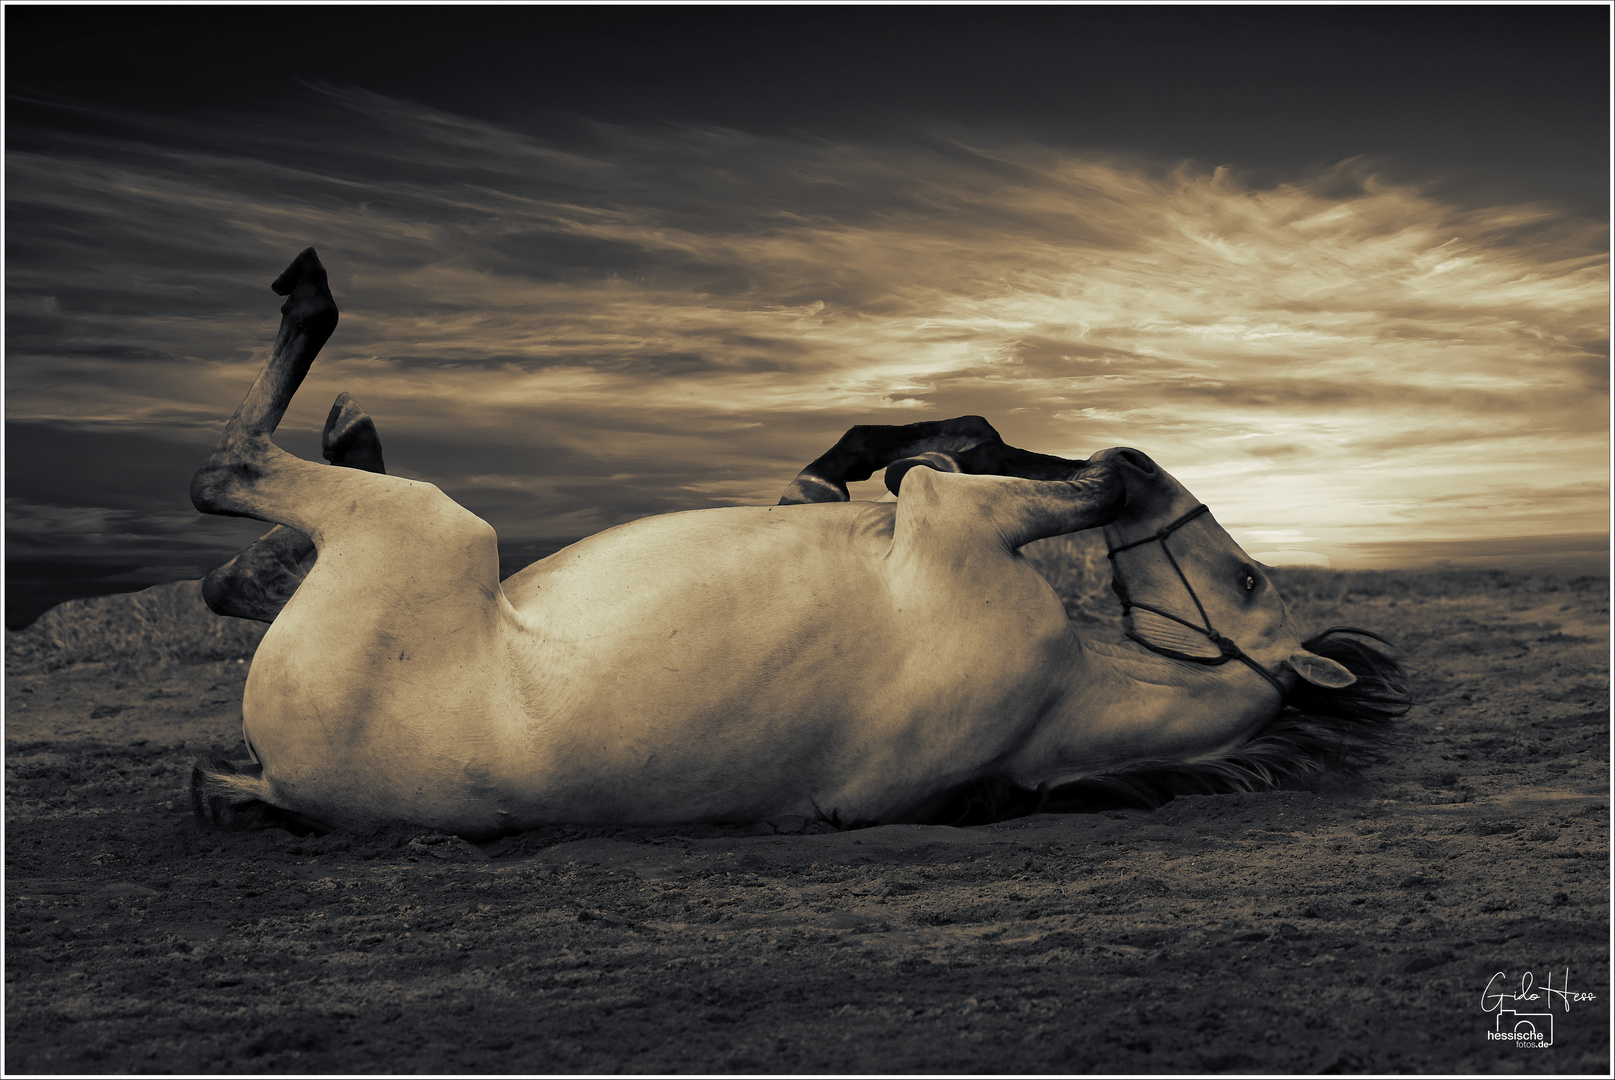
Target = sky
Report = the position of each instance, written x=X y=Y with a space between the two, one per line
x=1343 y=272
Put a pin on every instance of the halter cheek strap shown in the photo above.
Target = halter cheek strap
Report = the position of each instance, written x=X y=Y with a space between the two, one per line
x=1227 y=648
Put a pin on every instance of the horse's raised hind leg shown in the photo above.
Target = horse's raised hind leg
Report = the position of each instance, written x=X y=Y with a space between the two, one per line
x=406 y=586
x=247 y=475
x=966 y=444
x=257 y=583
x=244 y=459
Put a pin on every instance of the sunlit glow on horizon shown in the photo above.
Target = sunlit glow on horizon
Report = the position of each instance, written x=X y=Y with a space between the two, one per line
x=686 y=317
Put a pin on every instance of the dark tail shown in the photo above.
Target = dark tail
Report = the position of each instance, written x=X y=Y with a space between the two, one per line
x=234 y=798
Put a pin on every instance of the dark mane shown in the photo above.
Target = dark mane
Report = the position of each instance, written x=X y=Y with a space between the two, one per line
x=1318 y=729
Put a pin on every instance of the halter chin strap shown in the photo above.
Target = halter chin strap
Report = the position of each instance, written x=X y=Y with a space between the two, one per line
x=1227 y=648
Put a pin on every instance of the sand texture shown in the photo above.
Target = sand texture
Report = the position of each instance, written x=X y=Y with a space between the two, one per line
x=1352 y=928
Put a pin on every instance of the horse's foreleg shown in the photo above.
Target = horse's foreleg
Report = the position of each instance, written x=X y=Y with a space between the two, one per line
x=257 y=583
x=1018 y=511
x=1001 y=459
x=1092 y=497
x=867 y=447
x=987 y=459
x=967 y=444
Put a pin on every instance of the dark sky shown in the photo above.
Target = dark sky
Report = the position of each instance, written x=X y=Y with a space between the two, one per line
x=608 y=261
x=1501 y=100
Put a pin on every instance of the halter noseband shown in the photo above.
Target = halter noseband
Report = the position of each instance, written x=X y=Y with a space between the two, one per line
x=1228 y=649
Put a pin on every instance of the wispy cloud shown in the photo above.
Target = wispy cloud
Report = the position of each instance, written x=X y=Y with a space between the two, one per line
x=683 y=317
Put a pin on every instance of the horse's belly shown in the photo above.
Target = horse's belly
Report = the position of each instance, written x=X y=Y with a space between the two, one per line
x=721 y=665
x=705 y=665
x=733 y=664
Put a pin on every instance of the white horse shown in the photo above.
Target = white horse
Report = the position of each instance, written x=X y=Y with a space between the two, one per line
x=856 y=661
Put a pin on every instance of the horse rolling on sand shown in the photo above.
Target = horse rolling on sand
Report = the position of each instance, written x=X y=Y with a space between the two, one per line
x=858 y=662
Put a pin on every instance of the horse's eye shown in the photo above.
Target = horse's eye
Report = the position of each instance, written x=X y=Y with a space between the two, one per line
x=1250 y=582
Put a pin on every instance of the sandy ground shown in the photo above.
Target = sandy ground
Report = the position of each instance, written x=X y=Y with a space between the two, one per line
x=1350 y=929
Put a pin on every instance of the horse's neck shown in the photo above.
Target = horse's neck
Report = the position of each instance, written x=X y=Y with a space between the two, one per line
x=1124 y=704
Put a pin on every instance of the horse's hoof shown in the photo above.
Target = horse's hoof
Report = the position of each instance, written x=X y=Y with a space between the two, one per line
x=308 y=293
x=350 y=438
x=931 y=459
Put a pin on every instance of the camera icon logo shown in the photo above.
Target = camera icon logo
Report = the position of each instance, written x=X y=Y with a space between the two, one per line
x=1529 y=1029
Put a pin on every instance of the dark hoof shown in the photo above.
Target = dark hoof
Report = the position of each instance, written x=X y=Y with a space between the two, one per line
x=350 y=438
x=257 y=583
x=308 y=294
x=931 y=459
x=305 y=268
x=808 y=488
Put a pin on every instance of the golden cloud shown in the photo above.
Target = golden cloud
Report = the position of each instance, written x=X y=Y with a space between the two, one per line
x=696 y=313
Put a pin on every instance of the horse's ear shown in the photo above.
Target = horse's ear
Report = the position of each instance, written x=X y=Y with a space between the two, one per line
x=1320 y=670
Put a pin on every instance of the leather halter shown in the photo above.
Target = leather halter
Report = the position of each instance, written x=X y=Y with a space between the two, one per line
x=1227 y=649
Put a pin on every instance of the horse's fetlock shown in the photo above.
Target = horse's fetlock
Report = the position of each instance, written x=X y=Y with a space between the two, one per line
x=312 y=313
x=217 y=486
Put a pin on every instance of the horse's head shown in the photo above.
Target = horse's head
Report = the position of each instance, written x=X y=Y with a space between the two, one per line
x=1190 y=593
x=1193 y=598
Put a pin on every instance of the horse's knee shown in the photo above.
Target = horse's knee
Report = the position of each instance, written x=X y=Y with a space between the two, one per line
x=259 y=593
x=932 y=501
x=480 y=542
x=1016 y=510
x=974 y=429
